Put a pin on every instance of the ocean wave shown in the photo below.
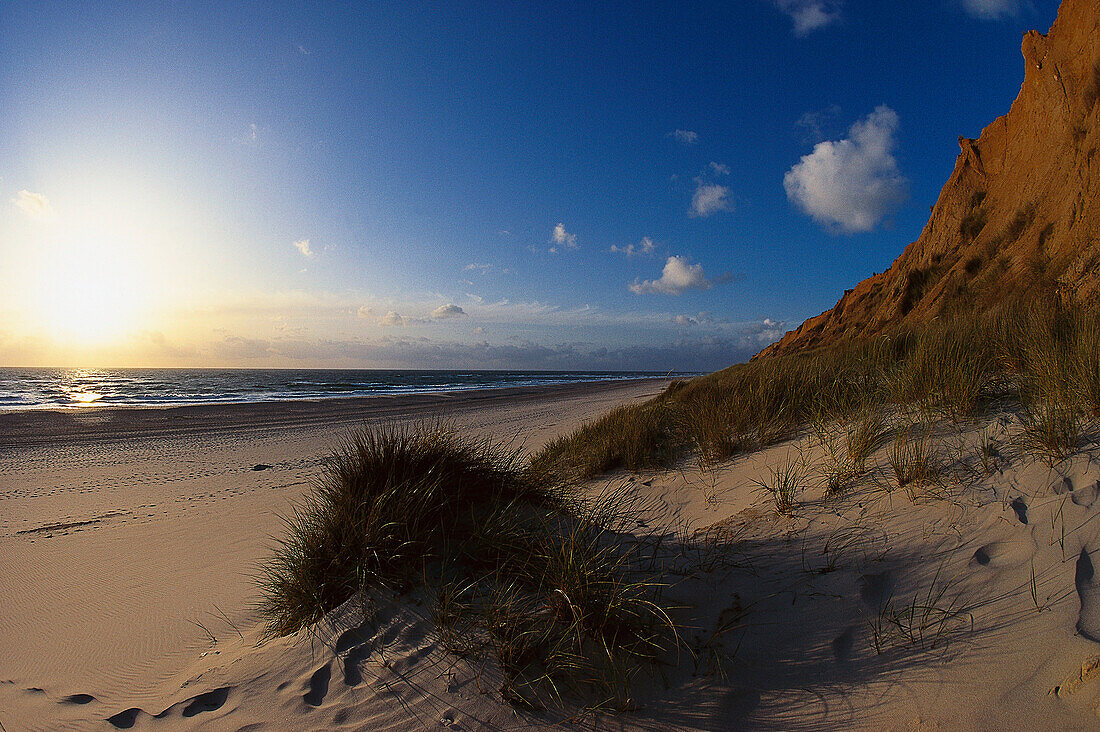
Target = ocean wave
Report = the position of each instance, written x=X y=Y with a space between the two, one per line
x=32 y=389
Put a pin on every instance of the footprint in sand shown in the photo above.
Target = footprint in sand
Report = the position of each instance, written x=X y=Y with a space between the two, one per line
x=352 y=675
x=1004 y=553
x=78 y=699
x=208 y=702
x=843 y=643
x=125 y=719
x=1020 y=508
x=1088 y=590
x=1086 y=495
x=353 y=637
x=318 y=685
x=354 y=642
x=876 y=589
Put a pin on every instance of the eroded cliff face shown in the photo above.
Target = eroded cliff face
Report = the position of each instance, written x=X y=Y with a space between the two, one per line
x=1020 y=214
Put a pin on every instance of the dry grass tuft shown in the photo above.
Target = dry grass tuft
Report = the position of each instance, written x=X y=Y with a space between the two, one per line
x=544 y=586
x=950 y=367
x=784 y=482
x=911 y=460
x=631 y=437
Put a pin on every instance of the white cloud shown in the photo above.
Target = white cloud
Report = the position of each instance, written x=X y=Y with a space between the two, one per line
x=678 y=276
x=563 y=237
x=850 y=185
x=645 y=246
x=685 y=320
x=480 y=268
x=991 y=9
x=393 y=319
x=709 y=198
x=719 y=168
x=302 y=245
x=687 y=137
x=34 y=205
x=809 y=15
x=450 y=310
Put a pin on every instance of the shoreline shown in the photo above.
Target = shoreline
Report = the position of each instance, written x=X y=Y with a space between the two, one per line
x=37 y=427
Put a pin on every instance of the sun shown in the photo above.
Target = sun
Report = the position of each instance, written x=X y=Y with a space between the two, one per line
x=91 y=295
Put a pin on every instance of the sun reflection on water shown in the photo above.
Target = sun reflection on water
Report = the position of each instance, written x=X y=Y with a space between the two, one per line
x=85 y=398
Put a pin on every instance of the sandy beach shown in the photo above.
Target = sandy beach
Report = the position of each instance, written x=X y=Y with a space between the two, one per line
x=966 y=601
x=130 y=537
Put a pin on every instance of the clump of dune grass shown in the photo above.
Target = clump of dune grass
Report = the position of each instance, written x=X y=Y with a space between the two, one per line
x=391 y=499
x=863 y=434
x=588 y=621
x=946 y=370
x=911 y=460
x=715 y=424
x=784 y=482
x=849 y=434
x=834 y=468
x=514 y=572
x=925 y=621
x=1052 y=428
x=632 y=437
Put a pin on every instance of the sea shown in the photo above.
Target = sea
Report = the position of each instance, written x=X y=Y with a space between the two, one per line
x=70 y=388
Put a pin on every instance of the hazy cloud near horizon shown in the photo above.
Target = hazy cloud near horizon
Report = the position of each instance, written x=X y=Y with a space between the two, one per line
x=34 y=205
x=704 y=352
x=450 y=310
x=851 y=185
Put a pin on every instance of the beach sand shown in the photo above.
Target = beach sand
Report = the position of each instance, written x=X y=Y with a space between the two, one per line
x=130 y=537
x=967 y=602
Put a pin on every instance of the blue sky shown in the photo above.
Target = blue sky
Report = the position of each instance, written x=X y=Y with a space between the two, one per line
x=602 y=185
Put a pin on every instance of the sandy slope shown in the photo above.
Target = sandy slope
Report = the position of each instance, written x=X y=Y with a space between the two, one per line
x=872 y=610
x=128 y=537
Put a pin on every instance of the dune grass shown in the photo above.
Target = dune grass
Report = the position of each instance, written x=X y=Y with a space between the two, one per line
x=514 y=570
x=784 y=482
x=911 y=461
x=630 y=437
x=1038 y=353
x=390 y=500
